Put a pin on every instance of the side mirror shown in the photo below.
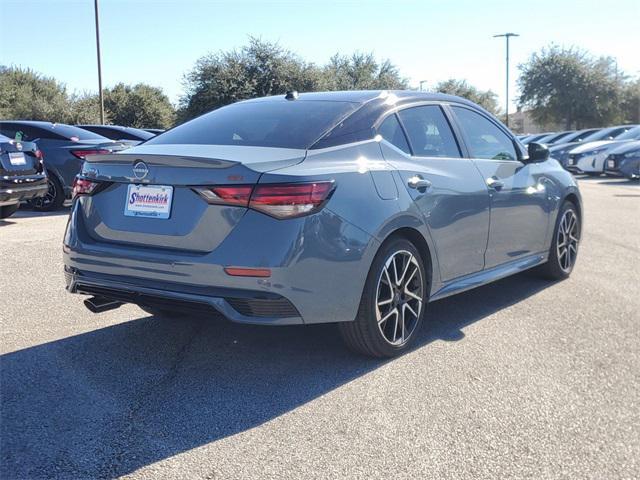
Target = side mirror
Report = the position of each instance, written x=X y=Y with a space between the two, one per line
x=538 y=152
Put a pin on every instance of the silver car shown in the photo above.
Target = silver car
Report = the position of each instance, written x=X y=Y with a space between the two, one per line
x=350 y=207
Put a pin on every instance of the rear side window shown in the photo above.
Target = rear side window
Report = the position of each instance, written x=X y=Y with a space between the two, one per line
x=484 y=138
x=392 y=132
x=429 y=132
x=271 y=123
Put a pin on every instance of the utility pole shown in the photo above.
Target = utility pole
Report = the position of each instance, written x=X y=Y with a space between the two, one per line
x=507 y=36
x=99 y=63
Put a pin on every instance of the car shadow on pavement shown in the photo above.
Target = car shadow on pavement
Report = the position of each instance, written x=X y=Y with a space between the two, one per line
x=110 y=401
x=26 y=212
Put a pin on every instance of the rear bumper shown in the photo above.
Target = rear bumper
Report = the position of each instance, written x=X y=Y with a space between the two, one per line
x=318 y=266
x=17 y=189
x=242 y=306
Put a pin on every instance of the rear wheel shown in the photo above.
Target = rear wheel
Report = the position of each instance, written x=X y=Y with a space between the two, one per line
x=392 y=305
x=52 y=200
x=8 y=210
x=564 y=248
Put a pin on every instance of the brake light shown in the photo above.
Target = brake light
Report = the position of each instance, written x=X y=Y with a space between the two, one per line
x=279 y=200
x=82 y=154
x=39 y=155
x=83 y=186
x=228 y=195
x=290 y=200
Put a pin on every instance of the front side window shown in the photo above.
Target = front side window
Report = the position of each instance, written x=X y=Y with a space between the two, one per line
x=484 y=138
x=392 y=132
x=429 y=132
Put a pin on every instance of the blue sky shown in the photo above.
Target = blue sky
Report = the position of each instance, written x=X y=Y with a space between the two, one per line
x=157 y=41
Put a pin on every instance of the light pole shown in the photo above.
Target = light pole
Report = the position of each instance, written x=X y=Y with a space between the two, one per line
x=99 y=63
x=507 y=36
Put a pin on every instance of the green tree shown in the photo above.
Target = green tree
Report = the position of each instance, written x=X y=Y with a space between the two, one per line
x=140 y=105
x=570 y=86
x=27 y=95
x=85 y=109
x=631 y=102
x=360 y=71
x=485 y=98
x=257 y=69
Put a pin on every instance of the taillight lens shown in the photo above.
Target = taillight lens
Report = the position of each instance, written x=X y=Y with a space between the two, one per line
x=82 y=154
x=281 y=200
x=228 y=195
x=83 y=186
x=290 y=200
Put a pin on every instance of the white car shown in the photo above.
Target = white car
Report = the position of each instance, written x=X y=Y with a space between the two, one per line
x=590 y=157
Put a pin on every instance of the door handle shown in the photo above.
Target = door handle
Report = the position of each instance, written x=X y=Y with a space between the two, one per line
x=418 y=183
x=494 y=183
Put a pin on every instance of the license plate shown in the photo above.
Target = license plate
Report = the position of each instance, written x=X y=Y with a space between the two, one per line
x=152 y=201
x=611 y=163
x=17 y=158
x=570 y=161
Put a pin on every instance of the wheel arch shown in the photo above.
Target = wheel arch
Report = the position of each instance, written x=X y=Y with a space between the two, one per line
x=575 y=199
x=417 y=238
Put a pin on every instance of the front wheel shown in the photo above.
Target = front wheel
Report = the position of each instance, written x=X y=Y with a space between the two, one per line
x=564 y=247
x=392 y=305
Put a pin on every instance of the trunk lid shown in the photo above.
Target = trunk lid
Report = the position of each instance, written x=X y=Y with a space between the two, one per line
x=18 y=158
x=192 y=224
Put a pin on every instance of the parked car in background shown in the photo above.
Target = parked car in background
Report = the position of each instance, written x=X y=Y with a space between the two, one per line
x=64 y=148
x=590 y=157
x=576 y=136
x=128 y=135
x=22 y=174
x=254 y=210
x=155 y=131
x=561 y=151
x=554 y=137
x=534 y=138
x=624 y=160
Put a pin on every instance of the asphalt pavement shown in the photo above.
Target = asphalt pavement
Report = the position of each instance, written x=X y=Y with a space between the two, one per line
x=519 y=379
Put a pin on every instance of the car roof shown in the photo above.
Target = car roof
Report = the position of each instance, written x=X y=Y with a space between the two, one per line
x=364 y=96
x=35 y=123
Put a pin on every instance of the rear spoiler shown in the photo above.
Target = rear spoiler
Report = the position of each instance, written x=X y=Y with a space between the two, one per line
x=125 y=158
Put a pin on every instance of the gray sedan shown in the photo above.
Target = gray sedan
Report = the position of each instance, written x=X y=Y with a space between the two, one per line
x=349 y=207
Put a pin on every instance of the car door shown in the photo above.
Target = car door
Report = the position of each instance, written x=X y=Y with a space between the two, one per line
x=446 y=187
x=519 y=203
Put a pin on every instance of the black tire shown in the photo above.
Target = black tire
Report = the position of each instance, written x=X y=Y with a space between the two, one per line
x=8 y=210
x=553 y=269
x=53 y=199
x=363 y=335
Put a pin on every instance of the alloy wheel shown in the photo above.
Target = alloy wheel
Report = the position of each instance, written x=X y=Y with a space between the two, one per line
x=568 y=239
x=48 y=198
x=399 y=297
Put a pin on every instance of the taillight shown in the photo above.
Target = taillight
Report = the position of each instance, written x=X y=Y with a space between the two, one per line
x=290 y=200
x=83 y=186
x=231 y=195
x=39 y=155
x=82 y=154
x=279 y=200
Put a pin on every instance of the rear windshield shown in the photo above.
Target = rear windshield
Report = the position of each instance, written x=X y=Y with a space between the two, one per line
x=71 y=133
x=284 y=124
